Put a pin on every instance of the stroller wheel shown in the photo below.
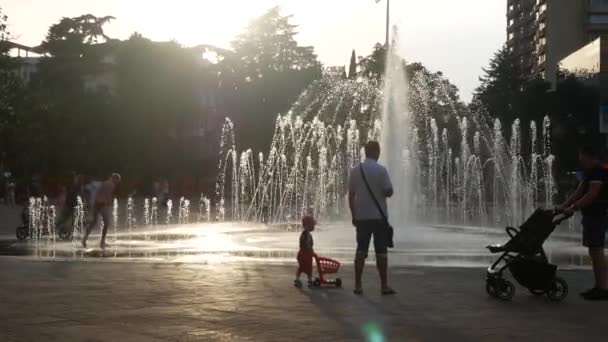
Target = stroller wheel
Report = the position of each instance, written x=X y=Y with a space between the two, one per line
x=338 y=282
x=505 y=290
x=22 y=233
x=537 y=292
x=558 y=290
x=316 y=282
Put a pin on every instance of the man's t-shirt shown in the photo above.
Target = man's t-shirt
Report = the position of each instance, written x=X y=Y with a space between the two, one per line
x=380 y=184
x=596 y=175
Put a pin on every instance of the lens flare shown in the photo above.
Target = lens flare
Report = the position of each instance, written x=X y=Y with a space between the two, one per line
x=373 y=332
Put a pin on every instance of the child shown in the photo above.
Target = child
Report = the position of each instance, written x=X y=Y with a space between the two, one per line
x=306 y=253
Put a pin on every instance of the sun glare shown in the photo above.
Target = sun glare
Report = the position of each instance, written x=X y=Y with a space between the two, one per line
x=192 y=22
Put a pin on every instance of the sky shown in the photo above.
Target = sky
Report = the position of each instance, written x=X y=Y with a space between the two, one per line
x=455 y=37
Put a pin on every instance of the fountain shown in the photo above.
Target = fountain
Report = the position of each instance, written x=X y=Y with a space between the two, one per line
x=169 y=214
x=486 y=180
x=147 y=212
x=456 y=178
x=397 y=139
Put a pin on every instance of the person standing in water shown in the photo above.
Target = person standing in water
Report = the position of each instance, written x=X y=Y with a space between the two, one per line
x=369 y=188
x=102 y=207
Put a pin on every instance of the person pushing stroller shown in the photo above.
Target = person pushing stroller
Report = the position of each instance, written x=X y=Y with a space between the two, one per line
x=591 y=199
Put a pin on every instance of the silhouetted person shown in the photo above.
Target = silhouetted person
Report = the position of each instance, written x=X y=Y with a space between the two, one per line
x=102 y=207
x=590 y=199
x=306 y=252
x=367 y=216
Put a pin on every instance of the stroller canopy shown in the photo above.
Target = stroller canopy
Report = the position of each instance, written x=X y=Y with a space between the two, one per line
x=533 y=233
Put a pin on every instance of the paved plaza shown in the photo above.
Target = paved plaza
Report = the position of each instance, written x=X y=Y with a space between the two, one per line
x=99 y=300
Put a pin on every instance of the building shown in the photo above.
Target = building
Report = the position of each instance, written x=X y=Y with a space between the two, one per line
x=590 y=65
x=543 y=32
x=26 y=58
x=520 y=32
x=337 y=72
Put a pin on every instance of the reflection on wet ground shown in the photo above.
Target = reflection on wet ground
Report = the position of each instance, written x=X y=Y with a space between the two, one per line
x=227 y=242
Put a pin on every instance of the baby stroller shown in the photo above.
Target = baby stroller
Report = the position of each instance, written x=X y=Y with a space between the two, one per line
x=23 y=231
x=525 y=258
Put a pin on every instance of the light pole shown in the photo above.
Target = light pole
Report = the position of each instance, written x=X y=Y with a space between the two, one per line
x=388 y=20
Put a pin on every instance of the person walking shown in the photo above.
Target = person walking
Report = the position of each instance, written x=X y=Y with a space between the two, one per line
x=369 y=187
x=590 y=198
x=102 y=207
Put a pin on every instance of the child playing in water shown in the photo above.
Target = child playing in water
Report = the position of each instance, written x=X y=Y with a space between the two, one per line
x=306 y=253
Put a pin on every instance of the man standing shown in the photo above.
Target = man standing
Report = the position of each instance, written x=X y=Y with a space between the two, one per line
x=590 y=199
x=369 y=180
x=102 y=206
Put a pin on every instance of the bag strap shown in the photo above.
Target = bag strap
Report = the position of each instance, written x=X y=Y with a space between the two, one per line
x=371 y=193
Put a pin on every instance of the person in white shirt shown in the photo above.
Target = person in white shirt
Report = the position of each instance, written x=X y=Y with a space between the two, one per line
x=366 y=215
x=101 y=205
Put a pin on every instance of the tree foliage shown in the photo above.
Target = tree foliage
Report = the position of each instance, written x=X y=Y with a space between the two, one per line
x=11 y=92
x=68 y=37
x=266 y=74
x=572 y=106
x=97 y=104
x=373 y=66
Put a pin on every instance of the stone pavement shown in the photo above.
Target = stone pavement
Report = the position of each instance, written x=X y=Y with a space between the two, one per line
x=96 y=300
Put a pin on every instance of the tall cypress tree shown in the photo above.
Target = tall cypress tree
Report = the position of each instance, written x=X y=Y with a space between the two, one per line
x=352 y=69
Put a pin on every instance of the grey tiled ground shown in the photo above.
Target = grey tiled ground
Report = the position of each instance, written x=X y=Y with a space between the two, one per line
x=128 y=301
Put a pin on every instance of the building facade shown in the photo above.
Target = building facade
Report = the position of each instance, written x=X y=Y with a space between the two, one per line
x=589 y=64
x=543 y=32
x=26 y=58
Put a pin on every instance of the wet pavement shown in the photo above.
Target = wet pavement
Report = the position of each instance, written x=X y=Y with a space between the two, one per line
x=245 y=301
x=211 y=242
x=233 y=282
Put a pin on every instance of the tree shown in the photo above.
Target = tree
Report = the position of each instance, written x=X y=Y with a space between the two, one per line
x=501 y=86
x=11 y=90
x=158 y=100
x=68 y=37
x=268 y=44
x=268 y=72
x=373 y=65
x=574 y=120
x=352 y=68
x=506 y=95
x=66 y=116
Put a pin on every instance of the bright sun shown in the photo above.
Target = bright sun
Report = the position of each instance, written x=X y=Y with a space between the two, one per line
x=193 y=22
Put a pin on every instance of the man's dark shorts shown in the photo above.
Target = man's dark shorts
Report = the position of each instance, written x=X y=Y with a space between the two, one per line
x=365 y=230
x=594 y=231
